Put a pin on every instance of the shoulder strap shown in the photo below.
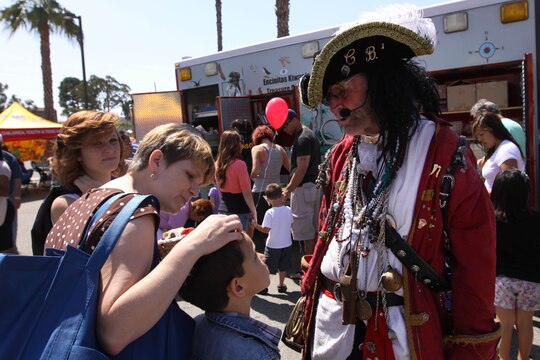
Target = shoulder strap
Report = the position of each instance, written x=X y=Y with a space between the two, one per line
x=448 y=179
x=113 y=232
x=96 y=216
x=447 y=184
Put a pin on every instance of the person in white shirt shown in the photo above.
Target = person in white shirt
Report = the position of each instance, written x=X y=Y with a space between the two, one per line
x=483 y=106
x=502 y=150
x=277 y=223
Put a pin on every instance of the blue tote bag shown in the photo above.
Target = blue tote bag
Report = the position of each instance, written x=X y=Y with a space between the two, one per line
x=48 y=304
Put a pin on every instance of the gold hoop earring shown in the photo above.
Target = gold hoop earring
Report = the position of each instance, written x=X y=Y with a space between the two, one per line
x=153 y=176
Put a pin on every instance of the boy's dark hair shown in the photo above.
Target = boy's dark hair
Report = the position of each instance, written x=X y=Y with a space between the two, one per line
x=206 y=285
x=273 y=191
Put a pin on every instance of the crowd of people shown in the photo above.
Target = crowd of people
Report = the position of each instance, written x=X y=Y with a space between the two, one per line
x=517 y=287
x=399 y=267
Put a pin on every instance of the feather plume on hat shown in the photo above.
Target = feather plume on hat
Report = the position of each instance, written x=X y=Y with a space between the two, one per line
x=408 y=16
x=379 y=38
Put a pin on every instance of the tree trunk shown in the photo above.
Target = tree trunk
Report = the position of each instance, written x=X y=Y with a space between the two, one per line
x=219 y=26
x=282 y=14
x=46 y=70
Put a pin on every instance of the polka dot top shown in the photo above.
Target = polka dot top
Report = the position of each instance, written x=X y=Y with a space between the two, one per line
x=69 y=229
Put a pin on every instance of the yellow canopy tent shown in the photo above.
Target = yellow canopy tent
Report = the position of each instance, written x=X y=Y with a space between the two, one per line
x=24 y=133
x=17 y=123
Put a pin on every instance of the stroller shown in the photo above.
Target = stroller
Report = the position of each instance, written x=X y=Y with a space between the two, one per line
x=44 y=174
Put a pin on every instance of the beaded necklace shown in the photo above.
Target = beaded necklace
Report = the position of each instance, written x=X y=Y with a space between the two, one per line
x=362 y=222
x=350 y=202
x=364 y=212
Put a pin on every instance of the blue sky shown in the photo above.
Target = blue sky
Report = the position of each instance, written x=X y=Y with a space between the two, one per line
x=138 y=42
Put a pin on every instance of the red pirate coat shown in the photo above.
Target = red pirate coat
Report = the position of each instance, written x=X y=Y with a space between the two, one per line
x=470 y=332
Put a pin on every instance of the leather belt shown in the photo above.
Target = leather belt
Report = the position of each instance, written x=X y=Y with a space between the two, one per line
x=328 y=285
x=392 y=299
x=413 y=261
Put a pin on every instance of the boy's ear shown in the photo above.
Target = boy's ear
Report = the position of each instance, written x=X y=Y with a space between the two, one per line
x=236 y=288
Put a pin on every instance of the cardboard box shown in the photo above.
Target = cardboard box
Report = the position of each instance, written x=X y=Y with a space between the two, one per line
x=441 y=88
x=494 y=91
x=461 y=97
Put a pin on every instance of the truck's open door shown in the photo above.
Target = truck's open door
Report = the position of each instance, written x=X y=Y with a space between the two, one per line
x=231 y=108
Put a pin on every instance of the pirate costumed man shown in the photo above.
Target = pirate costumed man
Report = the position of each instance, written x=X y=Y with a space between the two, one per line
x=376 y=291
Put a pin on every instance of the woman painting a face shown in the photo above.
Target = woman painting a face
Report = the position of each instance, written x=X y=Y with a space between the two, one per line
x=502 y=151
x=137 y=292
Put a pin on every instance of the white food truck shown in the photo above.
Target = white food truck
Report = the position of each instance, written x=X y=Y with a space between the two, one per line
x=485 y=49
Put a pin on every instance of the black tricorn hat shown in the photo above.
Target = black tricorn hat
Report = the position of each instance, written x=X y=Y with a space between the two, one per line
x=402 y=34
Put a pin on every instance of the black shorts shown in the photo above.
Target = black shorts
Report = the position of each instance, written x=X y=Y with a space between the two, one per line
x=277 y=259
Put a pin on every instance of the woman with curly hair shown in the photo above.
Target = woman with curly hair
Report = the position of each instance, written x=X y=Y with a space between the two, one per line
x=232 y=179
x=87 y=154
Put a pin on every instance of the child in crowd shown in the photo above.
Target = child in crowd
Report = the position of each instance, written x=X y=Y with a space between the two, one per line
x=517 y=288
x=277 y=223
x=199 y=210
x=190 y=215
x=214 y=197
x=223 y=284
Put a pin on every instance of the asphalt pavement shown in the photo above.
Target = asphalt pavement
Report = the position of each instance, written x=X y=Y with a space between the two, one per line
x=273 y=308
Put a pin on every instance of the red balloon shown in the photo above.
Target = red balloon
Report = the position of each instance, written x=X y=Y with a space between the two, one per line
x=276 y=112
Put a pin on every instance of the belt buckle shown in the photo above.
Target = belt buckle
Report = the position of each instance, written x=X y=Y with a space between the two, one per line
x=337 y=292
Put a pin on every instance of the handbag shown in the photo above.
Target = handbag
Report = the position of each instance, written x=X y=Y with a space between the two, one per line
x=53 y=315
x=293 y=332
x=293 y=335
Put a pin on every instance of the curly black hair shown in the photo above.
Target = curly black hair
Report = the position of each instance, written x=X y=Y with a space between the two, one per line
x=398 y=91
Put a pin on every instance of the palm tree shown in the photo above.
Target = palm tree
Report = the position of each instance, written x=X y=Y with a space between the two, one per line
x=219 y=26
x=42 y=17
x=282 y=14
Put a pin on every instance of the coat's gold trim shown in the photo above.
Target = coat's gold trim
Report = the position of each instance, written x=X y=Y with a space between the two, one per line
x=418 y=319
x=471 y=339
